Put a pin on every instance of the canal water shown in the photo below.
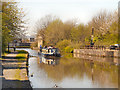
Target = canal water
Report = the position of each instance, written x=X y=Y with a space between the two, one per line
x=72 y=71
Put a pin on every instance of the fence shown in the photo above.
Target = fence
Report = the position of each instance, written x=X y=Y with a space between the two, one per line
x=94 y=47
x=19 y=44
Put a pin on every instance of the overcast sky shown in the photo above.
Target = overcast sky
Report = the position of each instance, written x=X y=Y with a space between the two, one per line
x=84 y=10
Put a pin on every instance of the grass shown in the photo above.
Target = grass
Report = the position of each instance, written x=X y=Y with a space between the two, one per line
x=6 y=52
x=17 y=74
x=22 y=52
x=22 y=55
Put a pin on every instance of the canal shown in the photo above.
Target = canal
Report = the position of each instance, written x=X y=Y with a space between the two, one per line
x=72 y=71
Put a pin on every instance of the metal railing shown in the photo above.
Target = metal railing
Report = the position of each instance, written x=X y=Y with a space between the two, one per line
x=19 y=44
x=94 y=47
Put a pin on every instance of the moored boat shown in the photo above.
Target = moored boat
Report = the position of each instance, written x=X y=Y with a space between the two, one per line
x=51 y=52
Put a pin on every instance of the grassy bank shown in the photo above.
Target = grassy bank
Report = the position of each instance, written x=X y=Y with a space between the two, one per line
x=6 y=53
x=22 y=55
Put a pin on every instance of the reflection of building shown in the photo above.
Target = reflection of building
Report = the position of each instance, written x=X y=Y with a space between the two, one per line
x=49 y=61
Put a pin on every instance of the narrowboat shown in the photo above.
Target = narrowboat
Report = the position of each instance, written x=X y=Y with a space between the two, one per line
x=50 y=52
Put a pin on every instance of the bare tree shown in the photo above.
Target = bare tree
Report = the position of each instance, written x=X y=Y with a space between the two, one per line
x=42 y=24
x=102 y=21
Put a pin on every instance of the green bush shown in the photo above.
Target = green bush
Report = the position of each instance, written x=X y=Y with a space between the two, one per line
x=68 y=49
x=76 y=45
x=63 y=44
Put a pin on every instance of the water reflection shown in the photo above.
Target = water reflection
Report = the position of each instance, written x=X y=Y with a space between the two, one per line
x=73 y=72
x=88 y=73
x=99 y=59
x=49 y=60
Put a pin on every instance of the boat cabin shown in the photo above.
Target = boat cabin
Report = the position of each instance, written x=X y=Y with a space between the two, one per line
x=51 y=51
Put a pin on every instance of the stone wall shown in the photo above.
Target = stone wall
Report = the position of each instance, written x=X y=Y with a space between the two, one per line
x=99 y=59
x=98 y=52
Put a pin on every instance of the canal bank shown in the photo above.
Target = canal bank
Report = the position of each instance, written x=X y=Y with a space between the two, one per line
x=98 y=52
x=15 y=70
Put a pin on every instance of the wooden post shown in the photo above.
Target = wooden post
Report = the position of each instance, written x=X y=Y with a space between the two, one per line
x=92 y=37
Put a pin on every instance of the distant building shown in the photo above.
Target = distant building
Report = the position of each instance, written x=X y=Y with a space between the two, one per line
x=32 y=39
x=19 y=40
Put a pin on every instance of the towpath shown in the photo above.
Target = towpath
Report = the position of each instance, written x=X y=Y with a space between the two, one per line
x=14 y=72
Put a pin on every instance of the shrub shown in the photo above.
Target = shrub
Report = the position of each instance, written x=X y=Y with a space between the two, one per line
x=68 y=49
x=63 y=44
x=76 y=45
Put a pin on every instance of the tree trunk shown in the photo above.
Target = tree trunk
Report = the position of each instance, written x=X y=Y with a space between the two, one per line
x=8 y=47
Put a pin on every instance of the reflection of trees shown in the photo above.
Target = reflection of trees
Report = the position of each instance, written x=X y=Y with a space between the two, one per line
x=54 y=72
x=105 y=74
x=102 y=73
